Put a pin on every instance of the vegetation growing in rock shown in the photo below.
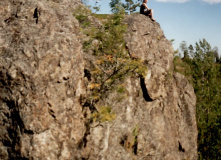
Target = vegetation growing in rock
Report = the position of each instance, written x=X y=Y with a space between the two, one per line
x=81 y=14
x=111 y=63
x=104 y=114
x=130 y=141
x=203 y=68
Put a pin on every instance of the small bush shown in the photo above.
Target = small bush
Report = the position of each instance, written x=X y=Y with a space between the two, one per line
x=112 y=64
x=104 y=114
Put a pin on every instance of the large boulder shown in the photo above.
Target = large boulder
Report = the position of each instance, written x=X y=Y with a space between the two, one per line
x=156 y=119
x=41 y=72
x=43 y=88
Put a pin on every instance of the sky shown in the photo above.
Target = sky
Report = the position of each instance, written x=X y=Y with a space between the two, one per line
x=184 y=20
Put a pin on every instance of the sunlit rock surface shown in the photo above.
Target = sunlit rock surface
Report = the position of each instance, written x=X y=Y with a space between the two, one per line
x=42 y=82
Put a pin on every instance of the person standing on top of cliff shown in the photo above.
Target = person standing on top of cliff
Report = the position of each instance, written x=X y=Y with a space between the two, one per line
x=148 y=12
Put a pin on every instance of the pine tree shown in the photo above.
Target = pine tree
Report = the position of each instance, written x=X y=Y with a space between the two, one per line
x=129 y=5
x=183 y=47
x=206 y=80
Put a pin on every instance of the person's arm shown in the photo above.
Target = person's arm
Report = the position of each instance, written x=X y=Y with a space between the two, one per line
x=145 y=6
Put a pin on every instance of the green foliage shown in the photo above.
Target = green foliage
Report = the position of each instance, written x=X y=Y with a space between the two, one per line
x=182 y=67
x=121 y=89
x=96 y=8
x=172 y=40
x=208 y=91
x=114 y=5
x=205 y=75
x=131 y=141
x=101 y=16
x=129 y=5
x=112 y=63
x=183 y=48
x=104 y=114
x=81 y=14
x=135 y=134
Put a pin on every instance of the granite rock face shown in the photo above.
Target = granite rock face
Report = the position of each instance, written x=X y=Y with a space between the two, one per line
x=43 y=84
x=156 y=119
x=41 y=80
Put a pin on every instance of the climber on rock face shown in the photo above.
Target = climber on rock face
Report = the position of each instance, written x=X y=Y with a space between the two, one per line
x=148 y=12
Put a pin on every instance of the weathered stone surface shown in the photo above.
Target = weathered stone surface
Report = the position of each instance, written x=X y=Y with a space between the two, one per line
x=148 y=42
x=41 y=72
x=156 y=118
x=42 y=90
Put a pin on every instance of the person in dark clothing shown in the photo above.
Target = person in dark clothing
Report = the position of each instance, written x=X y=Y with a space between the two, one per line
x=148 y=12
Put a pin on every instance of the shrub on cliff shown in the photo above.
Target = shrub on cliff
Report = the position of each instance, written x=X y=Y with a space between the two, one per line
x=112 y=64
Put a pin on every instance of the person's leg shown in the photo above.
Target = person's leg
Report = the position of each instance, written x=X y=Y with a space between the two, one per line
x=147 y=13
x=151 y=15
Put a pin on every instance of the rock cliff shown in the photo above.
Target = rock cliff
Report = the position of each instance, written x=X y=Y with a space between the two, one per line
x=42 y=82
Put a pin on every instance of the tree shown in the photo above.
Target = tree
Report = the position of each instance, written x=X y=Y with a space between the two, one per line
x=191 y=51
x=112 y=63
x=129 y=5
x=216 y=54
x=113 y=4
x=205 y=74
x=183 y=48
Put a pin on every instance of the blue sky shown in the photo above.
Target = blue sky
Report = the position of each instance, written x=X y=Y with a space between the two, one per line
x=184 y=20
